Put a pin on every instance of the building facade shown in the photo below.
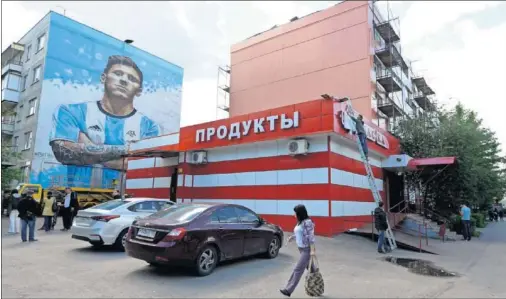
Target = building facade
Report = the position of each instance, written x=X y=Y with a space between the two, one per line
x=75 y=98
x=349 y=50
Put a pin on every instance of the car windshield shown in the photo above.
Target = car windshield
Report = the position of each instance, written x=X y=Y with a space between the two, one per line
x=110 y=205
x=177 y=214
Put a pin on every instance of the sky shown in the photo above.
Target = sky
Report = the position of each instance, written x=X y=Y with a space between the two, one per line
x=459 y=47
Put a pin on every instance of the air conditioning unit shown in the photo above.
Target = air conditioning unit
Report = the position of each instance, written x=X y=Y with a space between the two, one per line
x=298 y=147
x=199 y=157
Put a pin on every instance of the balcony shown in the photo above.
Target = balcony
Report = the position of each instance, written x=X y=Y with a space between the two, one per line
x=8 y=127
x=388 y=107
x=388 y=32
x=14 y=66
x=10 y=54
x=422 y=85
x=424 y=101
x=388 y=80
x=390 y=56
x=10 y=98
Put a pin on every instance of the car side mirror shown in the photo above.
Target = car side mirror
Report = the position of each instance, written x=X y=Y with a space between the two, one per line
x=260 y=221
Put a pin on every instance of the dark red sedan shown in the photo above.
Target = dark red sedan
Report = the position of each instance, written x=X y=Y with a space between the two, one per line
x=201 y=236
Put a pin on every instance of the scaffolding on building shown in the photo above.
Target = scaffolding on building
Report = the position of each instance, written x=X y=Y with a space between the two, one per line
x=398 y=94
x=223 y=92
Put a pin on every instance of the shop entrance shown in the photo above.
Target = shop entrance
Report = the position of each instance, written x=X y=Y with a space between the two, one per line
x=173 y=185
x=395 y=191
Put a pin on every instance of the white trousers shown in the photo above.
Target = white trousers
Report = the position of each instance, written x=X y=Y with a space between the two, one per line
x=14 y=222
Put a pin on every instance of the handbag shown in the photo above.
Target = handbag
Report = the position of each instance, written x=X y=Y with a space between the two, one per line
x=314 y=280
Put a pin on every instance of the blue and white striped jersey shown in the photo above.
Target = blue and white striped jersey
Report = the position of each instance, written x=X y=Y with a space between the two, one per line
x=102 y=128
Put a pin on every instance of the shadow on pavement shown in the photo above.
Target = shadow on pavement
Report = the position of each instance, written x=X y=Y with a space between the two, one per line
x=246 y=269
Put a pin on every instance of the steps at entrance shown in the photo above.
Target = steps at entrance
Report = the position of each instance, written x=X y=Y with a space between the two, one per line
x=415 y=222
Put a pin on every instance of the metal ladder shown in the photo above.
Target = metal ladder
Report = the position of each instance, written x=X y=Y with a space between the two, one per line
x=372 y=184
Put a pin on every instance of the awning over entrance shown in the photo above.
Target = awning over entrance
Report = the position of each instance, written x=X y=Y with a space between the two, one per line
x=417 y=164
x=152 y=154
x=403 y=163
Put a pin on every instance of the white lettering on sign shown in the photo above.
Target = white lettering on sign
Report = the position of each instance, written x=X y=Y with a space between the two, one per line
x=372 y=134
x=238 y=129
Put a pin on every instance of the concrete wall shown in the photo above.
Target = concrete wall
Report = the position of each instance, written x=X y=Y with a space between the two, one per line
x=326 y=52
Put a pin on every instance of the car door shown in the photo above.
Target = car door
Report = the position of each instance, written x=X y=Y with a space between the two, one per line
x=254 y=236
x=228 y=231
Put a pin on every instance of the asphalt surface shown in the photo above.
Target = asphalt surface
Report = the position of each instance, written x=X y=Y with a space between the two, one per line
x=60 y=267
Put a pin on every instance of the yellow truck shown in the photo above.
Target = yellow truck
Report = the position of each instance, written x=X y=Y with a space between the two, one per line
x=87 y=197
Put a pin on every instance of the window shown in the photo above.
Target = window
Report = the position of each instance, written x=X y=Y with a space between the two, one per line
x=111 y=205
x=225 y=215
x=31 y=106
x=161 y=205
x=14 y=81
x=24 y=173
x=28 y=140
x=179 y=214
x=15 y=142
x=28 y=50
x=23 y=82
x=40 y=42
x=36 y=74
x=4 y=82
x=144 y=207
x=246 y=216
x=35 y=189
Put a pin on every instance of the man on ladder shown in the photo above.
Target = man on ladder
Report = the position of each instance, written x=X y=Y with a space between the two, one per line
x=383 y=227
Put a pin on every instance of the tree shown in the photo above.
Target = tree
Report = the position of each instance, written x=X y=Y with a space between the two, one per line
x=9 y=173
x=479 y=177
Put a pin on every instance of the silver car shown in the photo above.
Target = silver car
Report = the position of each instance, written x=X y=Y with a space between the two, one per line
x=108 y=223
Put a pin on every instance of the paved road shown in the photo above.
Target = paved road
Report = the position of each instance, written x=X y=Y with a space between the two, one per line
x=60 y=267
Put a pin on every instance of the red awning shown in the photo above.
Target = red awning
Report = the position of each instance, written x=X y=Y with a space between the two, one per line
x=415 y=164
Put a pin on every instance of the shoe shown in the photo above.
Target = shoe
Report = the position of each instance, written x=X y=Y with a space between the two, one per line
x=23 y=240
x=284 y=292
x=34 y=240
x=63 y=229
x=380 y=251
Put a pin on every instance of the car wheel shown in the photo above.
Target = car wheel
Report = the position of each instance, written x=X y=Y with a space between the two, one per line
x=206 y=261
x=121 y=240
x=273 y=248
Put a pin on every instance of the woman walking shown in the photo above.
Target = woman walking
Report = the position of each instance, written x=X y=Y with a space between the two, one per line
x=48 y=211
x=303 y=234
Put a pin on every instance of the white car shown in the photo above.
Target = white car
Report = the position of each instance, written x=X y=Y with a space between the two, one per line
x=108 y=223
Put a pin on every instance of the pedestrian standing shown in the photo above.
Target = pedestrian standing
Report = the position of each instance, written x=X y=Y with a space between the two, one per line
x=27 y=209
x=465 y=213
x=12 y=211
x=303 y=234
x=70 y=206
x=381 y=224
x=48 y=209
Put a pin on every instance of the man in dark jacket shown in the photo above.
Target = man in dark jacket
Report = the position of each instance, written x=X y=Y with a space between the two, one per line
x=381 y=224
x=28 y=208
x=70 y=208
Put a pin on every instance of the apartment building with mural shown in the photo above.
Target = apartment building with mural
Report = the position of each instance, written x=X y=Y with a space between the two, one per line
x=59 y=92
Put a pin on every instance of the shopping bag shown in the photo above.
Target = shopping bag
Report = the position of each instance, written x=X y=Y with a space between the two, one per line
x=314 y=280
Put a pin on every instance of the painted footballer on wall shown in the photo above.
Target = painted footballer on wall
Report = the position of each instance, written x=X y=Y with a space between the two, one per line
x=99 y=94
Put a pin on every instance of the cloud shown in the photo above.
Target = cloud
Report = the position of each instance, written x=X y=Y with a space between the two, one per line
x=427 y=17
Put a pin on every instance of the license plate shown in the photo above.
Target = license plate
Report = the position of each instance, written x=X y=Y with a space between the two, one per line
x=147 y=233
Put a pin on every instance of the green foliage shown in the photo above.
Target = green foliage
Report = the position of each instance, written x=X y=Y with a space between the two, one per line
x=10 y=173
x=479 y=177
x=479 y=219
